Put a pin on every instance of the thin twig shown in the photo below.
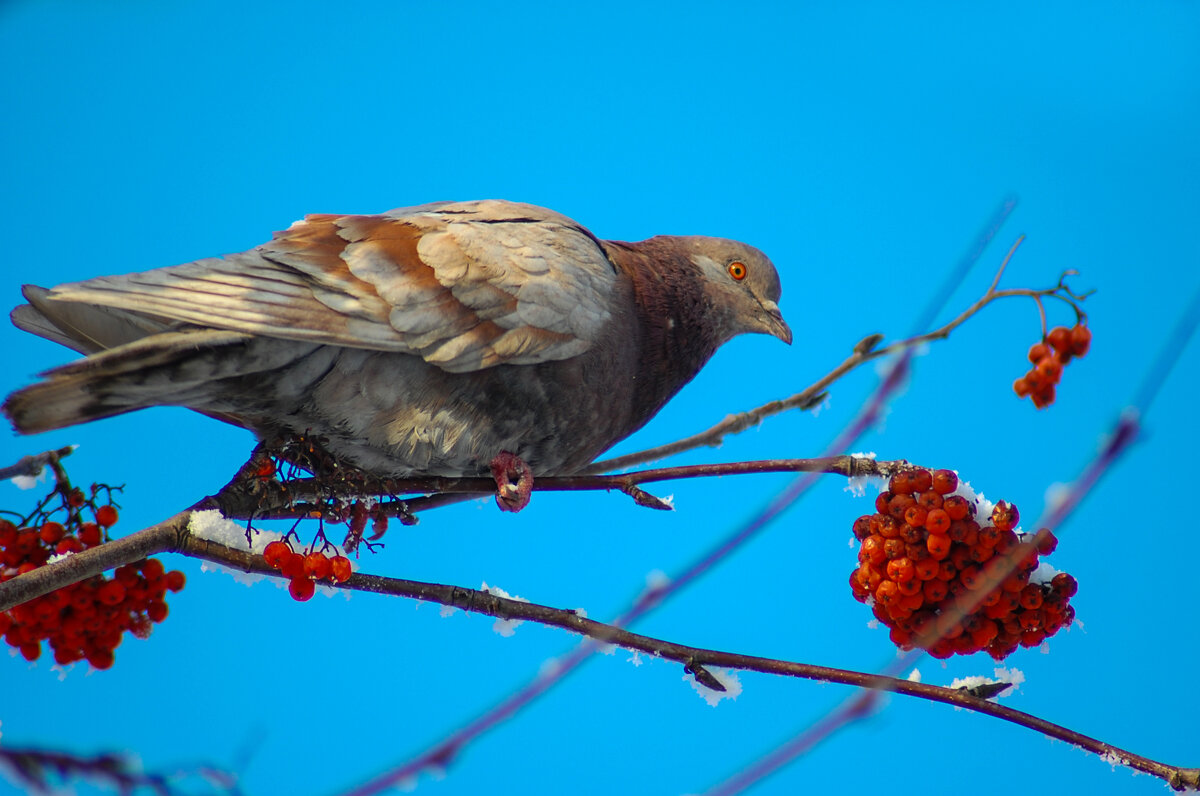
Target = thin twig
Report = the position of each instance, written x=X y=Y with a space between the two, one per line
x=808 y=397
x=34 y=768
x=32 y=466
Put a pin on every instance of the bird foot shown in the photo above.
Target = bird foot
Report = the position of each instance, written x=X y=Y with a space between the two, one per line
x=514 y=481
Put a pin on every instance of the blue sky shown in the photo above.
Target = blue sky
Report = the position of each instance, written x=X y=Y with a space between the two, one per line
x=860 y=145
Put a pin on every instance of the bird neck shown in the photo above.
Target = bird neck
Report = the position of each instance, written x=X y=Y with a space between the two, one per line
x=675 y=324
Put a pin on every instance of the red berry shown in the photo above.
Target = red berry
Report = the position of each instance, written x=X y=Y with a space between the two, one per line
x=920 y=480
x=900 y=569
x=316 y=566
x=1060 y=338
x=302 y=589
x=293 y=566
x=111 y=593
x=8 y=533
x=31 y=651
x=100 y=658
x=957 y=507
x=887 y=592
x=157 y=611
x=340 y=569
x=900 y=484
x=899 y=505
x=1051 y=369
x=1047 y=542
x=915 y=515
x=1064 y=584
x=938 y=546
x=176 y=580
x=931 y=500
x=1005 y=516
x=911 y=535
x=872 y=550
x=152 y=569
x=901 y=638
x=106 y=516
x=935 y=590
x=937 y=522
x=989 y=536
x=926 y=569
x=1008 y=540
x=68 y=544
x=944 y=481
x=1043 y=397
x=1038 y=352
x=89 y=534
x=1081 y=340
x=52 y=532
x=862 y=527
x=1031 y=597
x=894 y=548
x=276 y=553
x=984 y=633
x=981 y=553
x=916 y=551
x=888 y=527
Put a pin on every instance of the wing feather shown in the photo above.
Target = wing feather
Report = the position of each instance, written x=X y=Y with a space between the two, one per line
x=464 y=285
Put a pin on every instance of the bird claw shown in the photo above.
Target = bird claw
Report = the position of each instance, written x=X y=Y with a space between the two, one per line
x=514 y=481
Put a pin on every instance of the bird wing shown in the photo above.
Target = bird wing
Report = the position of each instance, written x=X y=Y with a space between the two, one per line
x=465 y=285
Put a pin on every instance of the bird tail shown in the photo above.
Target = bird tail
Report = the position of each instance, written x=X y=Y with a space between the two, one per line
x=86 y=328
x=135 y=362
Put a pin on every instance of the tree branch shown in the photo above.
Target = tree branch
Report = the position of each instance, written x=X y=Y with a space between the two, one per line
x=302 y=496
x=475 y=601
x=164 y=537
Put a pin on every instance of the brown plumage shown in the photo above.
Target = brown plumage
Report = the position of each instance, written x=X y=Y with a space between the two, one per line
x=422 y=341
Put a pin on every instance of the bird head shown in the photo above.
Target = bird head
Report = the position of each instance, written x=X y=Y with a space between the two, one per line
x=741 y=284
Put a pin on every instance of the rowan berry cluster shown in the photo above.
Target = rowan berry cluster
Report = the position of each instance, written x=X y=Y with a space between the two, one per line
x=303 y=570
x=1049 y=358
x=86 y=620
x=950 y=583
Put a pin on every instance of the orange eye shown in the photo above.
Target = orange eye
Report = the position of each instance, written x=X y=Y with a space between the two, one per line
x=737 y=270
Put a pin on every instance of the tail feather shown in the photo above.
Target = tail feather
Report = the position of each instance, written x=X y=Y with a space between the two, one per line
x=158 y=370
x=86 y=328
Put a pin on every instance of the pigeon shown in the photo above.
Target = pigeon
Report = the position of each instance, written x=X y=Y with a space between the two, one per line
x=437 y=340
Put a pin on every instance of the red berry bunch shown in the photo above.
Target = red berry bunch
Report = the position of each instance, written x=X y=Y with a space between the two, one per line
x=304 y=569
x=1049 y=358
x=934 y=574
x=85 y=620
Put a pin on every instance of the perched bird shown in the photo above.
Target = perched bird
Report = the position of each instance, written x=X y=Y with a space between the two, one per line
x=423 y=341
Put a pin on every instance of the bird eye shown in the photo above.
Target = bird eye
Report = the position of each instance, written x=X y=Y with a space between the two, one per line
x=737 y=270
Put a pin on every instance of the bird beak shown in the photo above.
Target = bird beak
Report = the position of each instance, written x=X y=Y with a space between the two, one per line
x=775 y=325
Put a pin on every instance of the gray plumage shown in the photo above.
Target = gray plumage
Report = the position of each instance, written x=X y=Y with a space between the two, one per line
x=422 y=341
